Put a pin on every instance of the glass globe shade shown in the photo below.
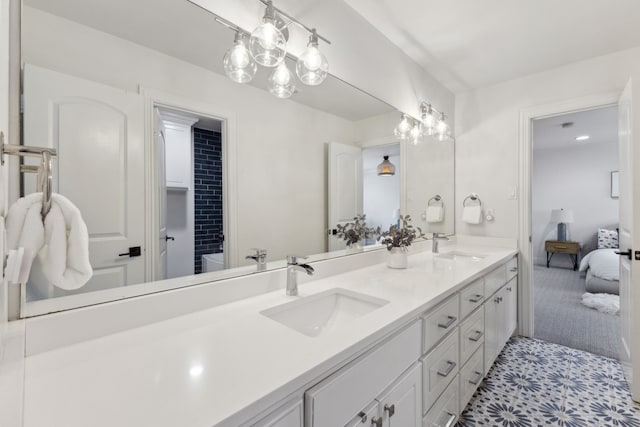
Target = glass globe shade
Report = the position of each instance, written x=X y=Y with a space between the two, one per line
x=238 y=64
x=281 y=83
x=312 y=66
x=403 y=128
x=415 y=134
x=267 y=44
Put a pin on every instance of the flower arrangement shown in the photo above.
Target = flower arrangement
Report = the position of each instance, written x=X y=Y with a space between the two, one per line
x=401 y=236
x=354 y=232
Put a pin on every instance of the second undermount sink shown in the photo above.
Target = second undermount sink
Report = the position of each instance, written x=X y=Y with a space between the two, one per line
x=461 y=256
x=324 y=312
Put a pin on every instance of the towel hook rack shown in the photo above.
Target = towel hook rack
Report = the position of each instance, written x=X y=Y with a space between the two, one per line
x=437 y=199
x=44 y=171
x=474 y=198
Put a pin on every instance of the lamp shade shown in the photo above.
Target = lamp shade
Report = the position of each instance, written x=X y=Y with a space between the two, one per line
x=561 y=216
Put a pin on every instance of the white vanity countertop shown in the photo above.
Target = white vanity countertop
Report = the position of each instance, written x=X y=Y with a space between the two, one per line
x=226 y=364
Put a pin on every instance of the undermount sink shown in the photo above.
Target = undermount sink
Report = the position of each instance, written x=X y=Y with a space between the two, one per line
x=322 y=313
x=462 y=256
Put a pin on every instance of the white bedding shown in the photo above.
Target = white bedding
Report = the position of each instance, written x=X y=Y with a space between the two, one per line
x=603 y=263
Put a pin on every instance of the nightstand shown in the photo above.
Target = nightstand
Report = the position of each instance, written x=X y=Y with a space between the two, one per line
x=557 y=247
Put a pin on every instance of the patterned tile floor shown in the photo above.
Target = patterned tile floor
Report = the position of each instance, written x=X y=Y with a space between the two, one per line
x=535 y=383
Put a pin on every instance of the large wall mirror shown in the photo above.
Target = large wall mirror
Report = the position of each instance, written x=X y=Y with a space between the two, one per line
x=162 y=152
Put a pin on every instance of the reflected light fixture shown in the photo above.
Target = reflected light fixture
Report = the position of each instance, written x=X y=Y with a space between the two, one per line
x=312 y=66
x=238 y=63
x=441 y=128
x=267 y=44
x=416 y=133
x=281 y=83
x=386 y=168
x=403 y=128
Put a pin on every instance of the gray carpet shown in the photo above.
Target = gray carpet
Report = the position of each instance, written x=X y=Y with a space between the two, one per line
x=560 y=317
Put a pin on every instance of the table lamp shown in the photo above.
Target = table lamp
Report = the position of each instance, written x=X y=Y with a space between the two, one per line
x=562 y=218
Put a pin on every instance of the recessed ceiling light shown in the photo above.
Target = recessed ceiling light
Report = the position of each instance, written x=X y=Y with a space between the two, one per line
x=582 y=137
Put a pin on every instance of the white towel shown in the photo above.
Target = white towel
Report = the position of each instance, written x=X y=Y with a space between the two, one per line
x=59 y=247
x=472 y=214
x=435 y=213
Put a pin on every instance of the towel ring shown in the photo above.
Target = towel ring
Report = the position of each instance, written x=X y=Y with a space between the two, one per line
x=474 y=198
x=437 y=200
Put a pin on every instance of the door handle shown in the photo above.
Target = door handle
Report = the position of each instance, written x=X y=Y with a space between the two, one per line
x=134 y=251
x=376 y=421
x=626 y=253
x=390 y=409
x=167 y=238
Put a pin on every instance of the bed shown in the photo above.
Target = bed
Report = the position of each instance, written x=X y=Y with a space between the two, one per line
x=602 y=265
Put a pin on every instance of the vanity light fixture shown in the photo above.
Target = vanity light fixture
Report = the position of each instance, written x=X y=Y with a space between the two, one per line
x=312 y=66
x=428 y=118
x=238 y=63
x=386 y=168
x=281 y=82
x=404 y=127
x=441 y=128
x=416 y=133
x=267 y=44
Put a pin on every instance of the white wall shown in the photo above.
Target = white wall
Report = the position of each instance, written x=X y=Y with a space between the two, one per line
x=575 y=178
x=381 y=194
x=487 y=126
x=276 y=139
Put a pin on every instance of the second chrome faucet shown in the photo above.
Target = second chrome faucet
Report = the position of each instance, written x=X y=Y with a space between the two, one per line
x=292 y=268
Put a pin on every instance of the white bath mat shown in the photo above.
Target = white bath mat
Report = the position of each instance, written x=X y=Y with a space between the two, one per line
x=604 y=303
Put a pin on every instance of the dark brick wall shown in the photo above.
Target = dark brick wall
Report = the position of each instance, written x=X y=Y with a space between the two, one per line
x=207 y=167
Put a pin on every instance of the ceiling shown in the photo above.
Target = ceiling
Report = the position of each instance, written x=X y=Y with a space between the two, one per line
x=600 y=124
x=469 y=44
x=200 y=41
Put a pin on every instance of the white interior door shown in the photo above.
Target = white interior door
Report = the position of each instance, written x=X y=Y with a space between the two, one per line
x=99 y=134
x=160 y=166
x=628 y=128
x=345 y=188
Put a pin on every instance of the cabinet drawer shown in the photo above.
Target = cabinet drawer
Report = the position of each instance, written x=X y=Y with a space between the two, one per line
x=471 y=335
x=512 y=268
x=440 y=321
x=338 y=398
x=439 y=368
x=445 y=411
x=494 y=280
x=471 y=297
x=471 y=376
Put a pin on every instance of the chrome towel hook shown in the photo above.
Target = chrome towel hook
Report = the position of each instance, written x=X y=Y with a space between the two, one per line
x=473 y=198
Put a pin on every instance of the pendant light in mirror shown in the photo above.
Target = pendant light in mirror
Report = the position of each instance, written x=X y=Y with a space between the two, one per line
x=281 y=83
x=267 y=44
x=238 y=63
x=312 y=66
x=386 y=168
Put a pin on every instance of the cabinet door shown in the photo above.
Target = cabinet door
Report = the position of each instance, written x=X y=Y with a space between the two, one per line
x=288 y=416
x=401 y=405
x=492 y=332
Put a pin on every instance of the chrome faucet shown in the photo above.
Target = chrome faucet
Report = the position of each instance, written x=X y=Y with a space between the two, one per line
x=435 y=239
x=292 y=278
x=259 y=257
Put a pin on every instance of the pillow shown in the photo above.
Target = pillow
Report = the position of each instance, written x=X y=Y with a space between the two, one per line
x=607 y=239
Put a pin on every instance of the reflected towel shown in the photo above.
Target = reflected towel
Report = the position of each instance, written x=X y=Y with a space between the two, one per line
x=435 y=213
x=472 y=214
x=59 y=247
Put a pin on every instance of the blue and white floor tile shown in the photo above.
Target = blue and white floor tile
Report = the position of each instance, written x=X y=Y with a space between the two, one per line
x=535 y=383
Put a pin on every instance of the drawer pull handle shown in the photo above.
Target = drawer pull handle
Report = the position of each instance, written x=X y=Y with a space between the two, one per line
x=513 y=269
x=376 y=421
x=477 y=336
x=478 y=378
x=450 y=321
x=509 y=289
x=452 y=420
x=450 y=367
x=390 y=409
x=476 y=298
x=363 y=417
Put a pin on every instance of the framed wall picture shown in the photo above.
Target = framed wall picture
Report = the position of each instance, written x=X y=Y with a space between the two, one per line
x=615 y=185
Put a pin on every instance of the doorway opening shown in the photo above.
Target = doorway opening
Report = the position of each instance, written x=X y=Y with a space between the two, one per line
x=190 y=176
x=574 y=222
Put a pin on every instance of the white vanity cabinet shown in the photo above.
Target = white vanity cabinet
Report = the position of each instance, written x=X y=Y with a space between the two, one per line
x=387 y=377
